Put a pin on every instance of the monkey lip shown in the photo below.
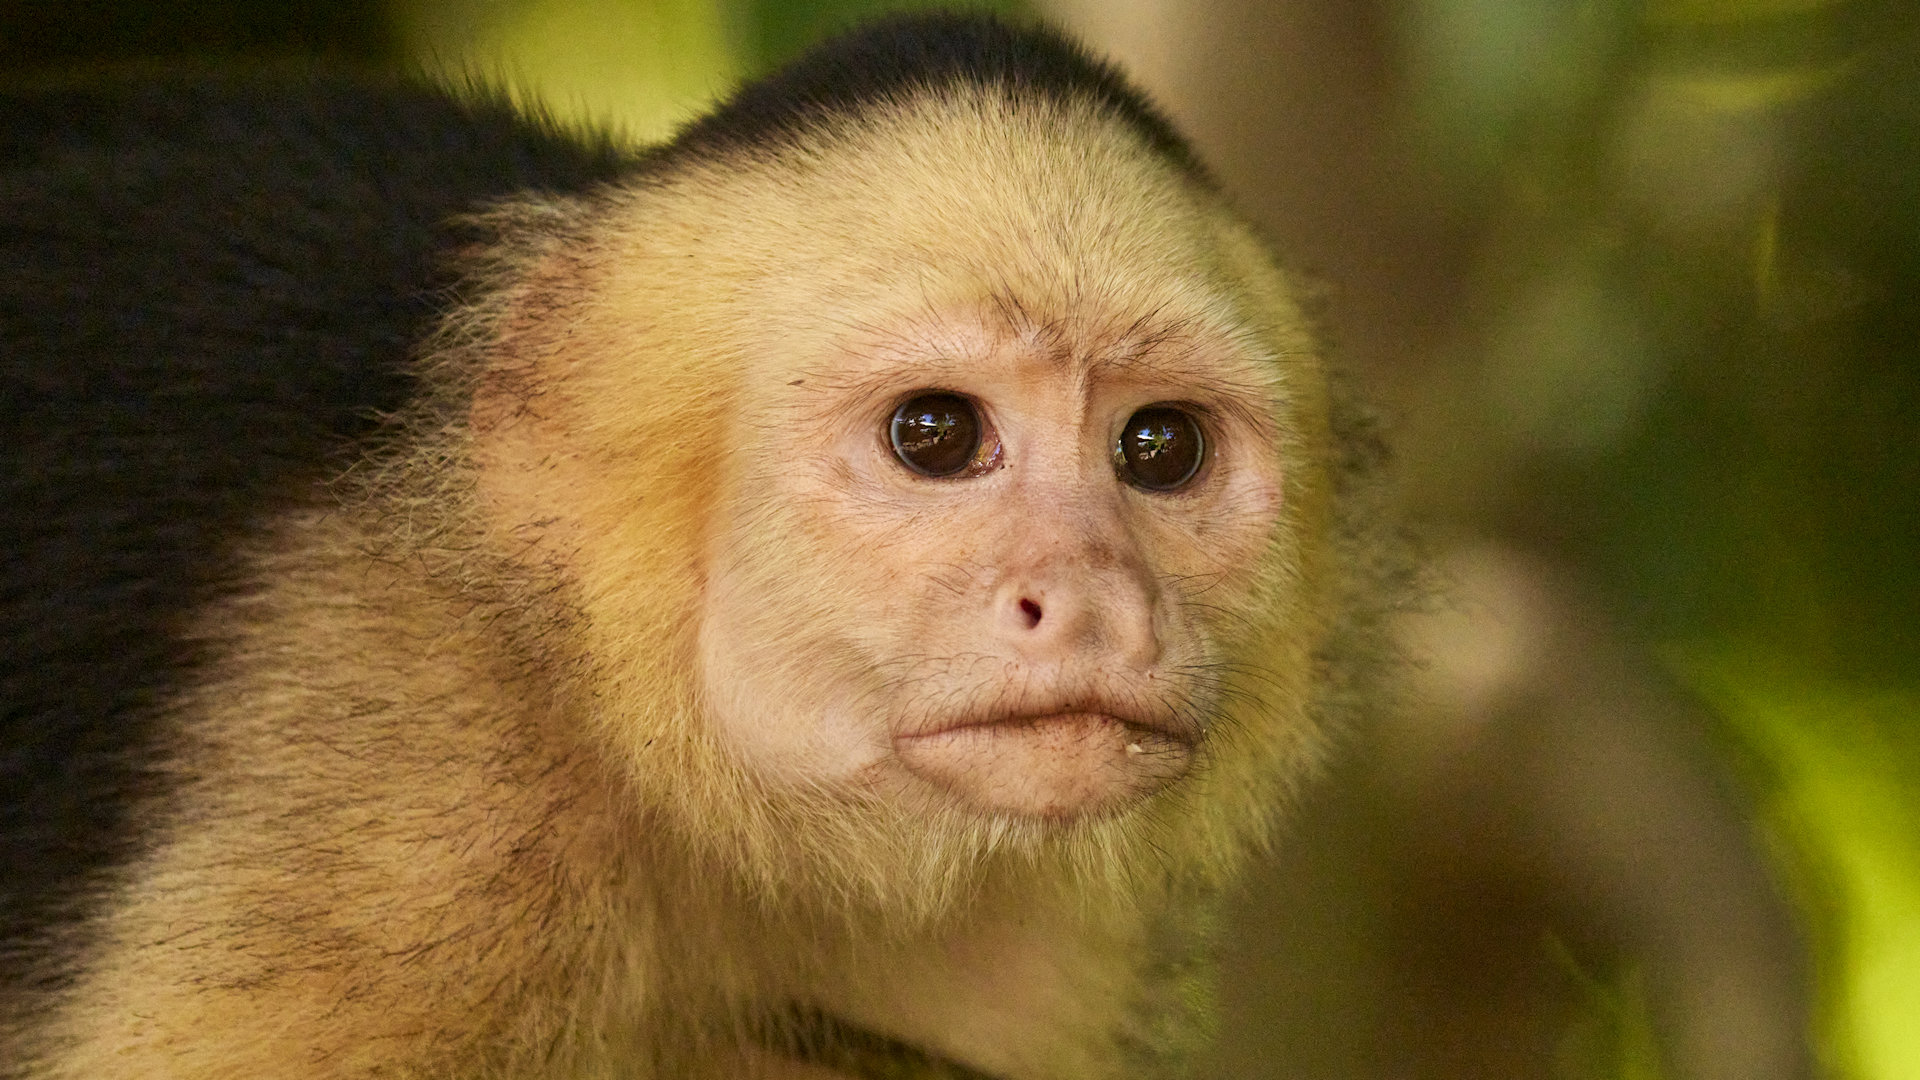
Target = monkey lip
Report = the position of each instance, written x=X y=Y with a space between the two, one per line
x=1052 y=765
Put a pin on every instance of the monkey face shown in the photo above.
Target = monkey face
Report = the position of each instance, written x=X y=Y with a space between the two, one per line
x=1026 y=634
x=1001 y=516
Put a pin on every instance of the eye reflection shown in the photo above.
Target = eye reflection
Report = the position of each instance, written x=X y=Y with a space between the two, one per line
x=1160 y=448
x=935 y=434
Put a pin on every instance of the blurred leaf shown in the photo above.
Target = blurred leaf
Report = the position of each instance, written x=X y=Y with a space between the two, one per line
x=1840 y=778
x=641 y=66
x=1730 y=91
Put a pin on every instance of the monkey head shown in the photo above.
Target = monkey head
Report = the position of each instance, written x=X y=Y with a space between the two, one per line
x=942 y=494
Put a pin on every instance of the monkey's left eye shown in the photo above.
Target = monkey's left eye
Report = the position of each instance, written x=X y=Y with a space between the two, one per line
x=1160 y=448
x=936 y=434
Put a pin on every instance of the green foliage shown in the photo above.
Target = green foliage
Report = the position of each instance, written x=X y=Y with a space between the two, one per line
x=1836 y=767
x=1702 y=352
x=1700 y=347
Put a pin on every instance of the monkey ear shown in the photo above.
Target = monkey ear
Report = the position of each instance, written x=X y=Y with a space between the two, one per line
x=594 y=398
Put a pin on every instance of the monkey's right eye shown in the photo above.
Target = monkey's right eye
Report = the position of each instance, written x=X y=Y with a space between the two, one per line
x=936 y=434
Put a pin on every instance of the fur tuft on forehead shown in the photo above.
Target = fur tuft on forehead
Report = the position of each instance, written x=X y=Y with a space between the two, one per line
x=883 y=65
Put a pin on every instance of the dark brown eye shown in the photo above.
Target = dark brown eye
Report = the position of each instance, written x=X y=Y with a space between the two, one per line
x=1160 y=448
x=935 y=434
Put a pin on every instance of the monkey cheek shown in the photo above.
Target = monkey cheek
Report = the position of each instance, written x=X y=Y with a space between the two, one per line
x=1062 y=767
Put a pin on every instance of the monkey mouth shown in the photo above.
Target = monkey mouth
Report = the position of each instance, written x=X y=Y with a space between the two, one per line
x=1061 y=765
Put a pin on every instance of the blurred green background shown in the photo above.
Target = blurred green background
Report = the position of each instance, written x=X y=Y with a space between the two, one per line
x=1638 y=284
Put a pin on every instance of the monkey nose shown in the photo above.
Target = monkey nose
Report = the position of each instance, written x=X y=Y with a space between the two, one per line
x=1093 y=620
x=1032 y=612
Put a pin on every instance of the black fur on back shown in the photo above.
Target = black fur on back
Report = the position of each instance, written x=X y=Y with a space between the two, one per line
x=891 y=60
x=206 y=289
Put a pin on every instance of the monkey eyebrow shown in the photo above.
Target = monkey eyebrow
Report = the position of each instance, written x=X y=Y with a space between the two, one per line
x=1213 y=369
x=1207 y=381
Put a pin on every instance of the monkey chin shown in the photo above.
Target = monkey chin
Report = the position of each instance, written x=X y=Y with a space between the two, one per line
x=1059 y=766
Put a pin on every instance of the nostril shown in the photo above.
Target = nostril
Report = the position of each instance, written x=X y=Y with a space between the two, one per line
x=1032 y=611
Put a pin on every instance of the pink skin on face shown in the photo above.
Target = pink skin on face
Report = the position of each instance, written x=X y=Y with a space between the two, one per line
x=1052 y=611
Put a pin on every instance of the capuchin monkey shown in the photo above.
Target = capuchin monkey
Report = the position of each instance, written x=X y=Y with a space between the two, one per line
x=835 y=594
